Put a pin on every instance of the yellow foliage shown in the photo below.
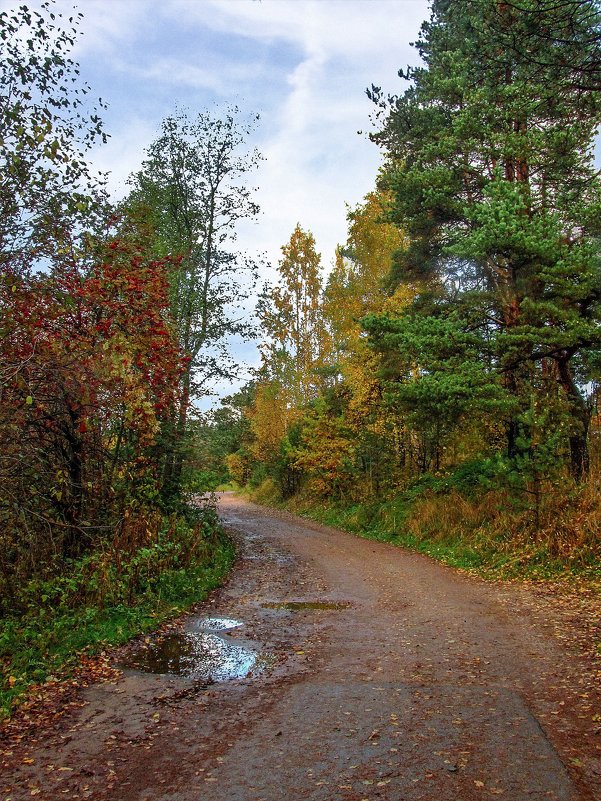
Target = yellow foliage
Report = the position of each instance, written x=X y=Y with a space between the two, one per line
x=292 y=317
x=237 y=467
x=355 y=285
x=327 y=455
x=271 y=416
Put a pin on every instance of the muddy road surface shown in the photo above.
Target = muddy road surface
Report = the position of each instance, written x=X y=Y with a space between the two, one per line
x=330 y=668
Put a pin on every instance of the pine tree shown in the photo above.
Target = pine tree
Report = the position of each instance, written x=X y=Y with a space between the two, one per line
x=494 y=183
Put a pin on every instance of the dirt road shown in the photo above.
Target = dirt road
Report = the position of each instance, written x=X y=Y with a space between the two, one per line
x=388 y=677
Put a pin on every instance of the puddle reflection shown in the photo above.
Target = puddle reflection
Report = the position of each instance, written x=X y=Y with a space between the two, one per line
x=216 y=624
x=299 y=606
x=199 y=654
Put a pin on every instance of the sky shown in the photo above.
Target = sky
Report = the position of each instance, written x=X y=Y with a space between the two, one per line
x=302 y=65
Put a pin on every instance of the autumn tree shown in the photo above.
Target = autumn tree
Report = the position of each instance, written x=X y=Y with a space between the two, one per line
x=317 y=412
x=47 y=190
x=193 y=191
x=356 y=285
x=326 y=453
x=297 y=343
x=294 y=348
x=89 y=366
x=95 y=369
x=354 y=408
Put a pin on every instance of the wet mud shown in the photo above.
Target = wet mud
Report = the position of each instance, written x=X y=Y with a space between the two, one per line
x=304 y=606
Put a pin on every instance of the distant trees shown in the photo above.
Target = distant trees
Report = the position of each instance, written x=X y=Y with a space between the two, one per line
x=315 y=411
x=296 y=340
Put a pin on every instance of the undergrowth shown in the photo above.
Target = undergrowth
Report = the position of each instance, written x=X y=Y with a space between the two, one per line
x=105 y=599
x=492 y=530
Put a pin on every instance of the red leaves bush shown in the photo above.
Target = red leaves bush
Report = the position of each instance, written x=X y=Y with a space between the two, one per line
x=90 y=370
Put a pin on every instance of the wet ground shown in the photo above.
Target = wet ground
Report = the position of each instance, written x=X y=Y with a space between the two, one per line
x=331 y=668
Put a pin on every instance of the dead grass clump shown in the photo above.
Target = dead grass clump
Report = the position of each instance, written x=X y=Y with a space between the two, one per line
x=566 y=525
x=571 y=524
x=452 y=515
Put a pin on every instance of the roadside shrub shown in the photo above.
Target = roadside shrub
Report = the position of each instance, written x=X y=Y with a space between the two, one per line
x=267 y=492
x=107 y=597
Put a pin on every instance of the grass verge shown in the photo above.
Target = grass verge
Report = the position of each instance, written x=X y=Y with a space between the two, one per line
x=49 y=637
x=485 y=535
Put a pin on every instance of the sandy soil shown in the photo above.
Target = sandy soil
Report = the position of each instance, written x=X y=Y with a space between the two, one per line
x=422 y=683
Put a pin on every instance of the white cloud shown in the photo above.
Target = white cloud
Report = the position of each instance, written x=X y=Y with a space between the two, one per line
x=123 y=153
x=321 y=53
x=349 y=28
x=314 y=159
x=178 y=73
x=108 y=26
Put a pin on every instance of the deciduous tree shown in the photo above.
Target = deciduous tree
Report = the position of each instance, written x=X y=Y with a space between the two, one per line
x=297 y=342
x=90 y=370
x=47 y=189
x=193 y=191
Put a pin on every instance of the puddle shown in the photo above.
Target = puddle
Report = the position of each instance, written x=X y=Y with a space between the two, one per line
x=216 y=624
x=277 y=558
x=299 y=606
x=197 y=653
